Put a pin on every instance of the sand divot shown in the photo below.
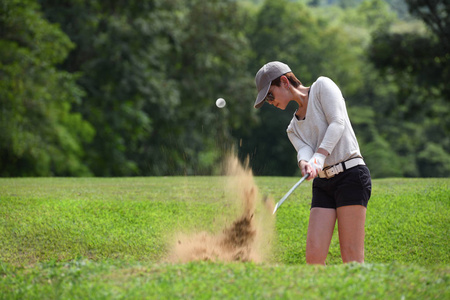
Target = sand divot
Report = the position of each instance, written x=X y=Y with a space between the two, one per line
x=247 y=238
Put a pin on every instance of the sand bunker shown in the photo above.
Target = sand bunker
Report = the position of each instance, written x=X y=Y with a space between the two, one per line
x=248 y=238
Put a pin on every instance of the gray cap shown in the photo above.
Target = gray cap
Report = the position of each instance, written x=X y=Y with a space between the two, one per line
x=264 y=77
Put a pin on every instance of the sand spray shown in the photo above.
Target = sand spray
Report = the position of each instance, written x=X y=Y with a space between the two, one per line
x=248 y=238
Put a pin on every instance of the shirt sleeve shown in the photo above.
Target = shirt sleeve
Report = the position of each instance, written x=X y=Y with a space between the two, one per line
x=333 y=106
x=304 y=152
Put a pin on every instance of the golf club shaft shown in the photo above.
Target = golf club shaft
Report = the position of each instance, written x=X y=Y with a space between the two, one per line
x=290 y=192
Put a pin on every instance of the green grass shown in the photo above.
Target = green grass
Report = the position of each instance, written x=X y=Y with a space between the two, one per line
x=100 y=238
x=407 y=221
x=108 y=279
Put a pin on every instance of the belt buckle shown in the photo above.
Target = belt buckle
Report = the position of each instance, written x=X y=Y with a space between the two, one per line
x=334 y=170
x=330 y=172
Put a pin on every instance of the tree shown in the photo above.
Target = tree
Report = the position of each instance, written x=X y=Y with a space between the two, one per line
x=152 y=71
x=417 y=114
x=121 y=53
x=211 y=63
x=40 y=135
x=436 y=14
x=312 y=47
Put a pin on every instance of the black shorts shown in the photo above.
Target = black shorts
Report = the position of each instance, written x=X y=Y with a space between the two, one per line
x=351 y=187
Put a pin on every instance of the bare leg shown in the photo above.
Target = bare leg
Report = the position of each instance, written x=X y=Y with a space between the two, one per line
x=320 y=231
x=351 y=221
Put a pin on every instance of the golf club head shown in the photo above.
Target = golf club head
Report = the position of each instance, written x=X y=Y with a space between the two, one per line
x=275 y=209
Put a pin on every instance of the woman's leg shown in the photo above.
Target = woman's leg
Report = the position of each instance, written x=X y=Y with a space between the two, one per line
x=351 y=221
x=320 y=231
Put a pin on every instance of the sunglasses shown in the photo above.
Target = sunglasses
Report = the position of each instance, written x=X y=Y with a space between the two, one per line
x=270 y=97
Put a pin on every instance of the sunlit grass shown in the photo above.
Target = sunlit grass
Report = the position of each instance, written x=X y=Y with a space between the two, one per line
x=106 y=238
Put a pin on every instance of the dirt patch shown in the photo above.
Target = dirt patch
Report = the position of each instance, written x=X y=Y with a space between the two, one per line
x=247 y=238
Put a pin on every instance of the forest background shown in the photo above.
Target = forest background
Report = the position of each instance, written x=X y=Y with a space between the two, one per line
x=128 y=88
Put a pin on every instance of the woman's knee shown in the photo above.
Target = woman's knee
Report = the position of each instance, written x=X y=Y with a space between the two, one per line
x=315 y=255
x=352 y=253
x=313 y=259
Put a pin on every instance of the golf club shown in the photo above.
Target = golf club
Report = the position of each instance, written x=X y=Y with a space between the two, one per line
x=289 y=193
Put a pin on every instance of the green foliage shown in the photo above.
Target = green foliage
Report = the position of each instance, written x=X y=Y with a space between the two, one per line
x=291 y=33
x=400 y=108
x=211 y=63
x=375 y=14
x=434 y=161
x=40 y=135
x=152 y=72
x=384 y=160
x=436 y=14
x=128 y=88
x=121 y=52
x=417 y=64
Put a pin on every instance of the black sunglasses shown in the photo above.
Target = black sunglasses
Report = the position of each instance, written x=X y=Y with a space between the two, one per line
x=269 y=97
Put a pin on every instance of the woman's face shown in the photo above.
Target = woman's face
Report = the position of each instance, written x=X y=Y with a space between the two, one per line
x=279 y=96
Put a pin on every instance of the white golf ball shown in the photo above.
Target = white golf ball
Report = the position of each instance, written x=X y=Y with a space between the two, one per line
x=220 y=103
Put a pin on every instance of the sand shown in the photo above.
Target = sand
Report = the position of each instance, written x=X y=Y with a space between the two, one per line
x=247 y=238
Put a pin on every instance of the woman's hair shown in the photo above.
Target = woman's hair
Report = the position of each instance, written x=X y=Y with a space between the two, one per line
x=291 y=77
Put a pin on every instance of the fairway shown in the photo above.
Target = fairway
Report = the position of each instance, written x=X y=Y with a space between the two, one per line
x=79 y=238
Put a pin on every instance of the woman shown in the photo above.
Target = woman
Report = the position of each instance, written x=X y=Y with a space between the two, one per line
x=327 y=149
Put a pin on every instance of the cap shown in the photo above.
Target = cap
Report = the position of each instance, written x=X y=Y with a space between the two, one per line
x=264 y=77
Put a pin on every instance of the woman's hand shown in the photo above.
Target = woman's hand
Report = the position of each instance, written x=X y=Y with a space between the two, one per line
x=313 y=166
x=306 y=168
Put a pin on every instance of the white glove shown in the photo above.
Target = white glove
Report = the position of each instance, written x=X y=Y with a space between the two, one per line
x=317 y=162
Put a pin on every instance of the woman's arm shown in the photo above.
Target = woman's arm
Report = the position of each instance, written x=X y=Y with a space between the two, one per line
x=333 y=106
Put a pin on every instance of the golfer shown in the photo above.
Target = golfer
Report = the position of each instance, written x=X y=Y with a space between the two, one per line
x=327 y=149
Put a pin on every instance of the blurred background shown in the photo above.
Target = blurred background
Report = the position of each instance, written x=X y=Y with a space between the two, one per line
x=128 y=88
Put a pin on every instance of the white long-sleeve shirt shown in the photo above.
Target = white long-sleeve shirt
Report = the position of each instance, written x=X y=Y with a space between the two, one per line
x=326 y=125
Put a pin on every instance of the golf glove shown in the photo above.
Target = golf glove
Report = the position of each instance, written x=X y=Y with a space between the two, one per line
x=317 y=162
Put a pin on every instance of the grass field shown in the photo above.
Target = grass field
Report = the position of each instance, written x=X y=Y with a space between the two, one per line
x=97 y=238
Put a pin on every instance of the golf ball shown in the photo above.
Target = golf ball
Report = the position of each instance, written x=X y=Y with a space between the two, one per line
x=220 y=103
